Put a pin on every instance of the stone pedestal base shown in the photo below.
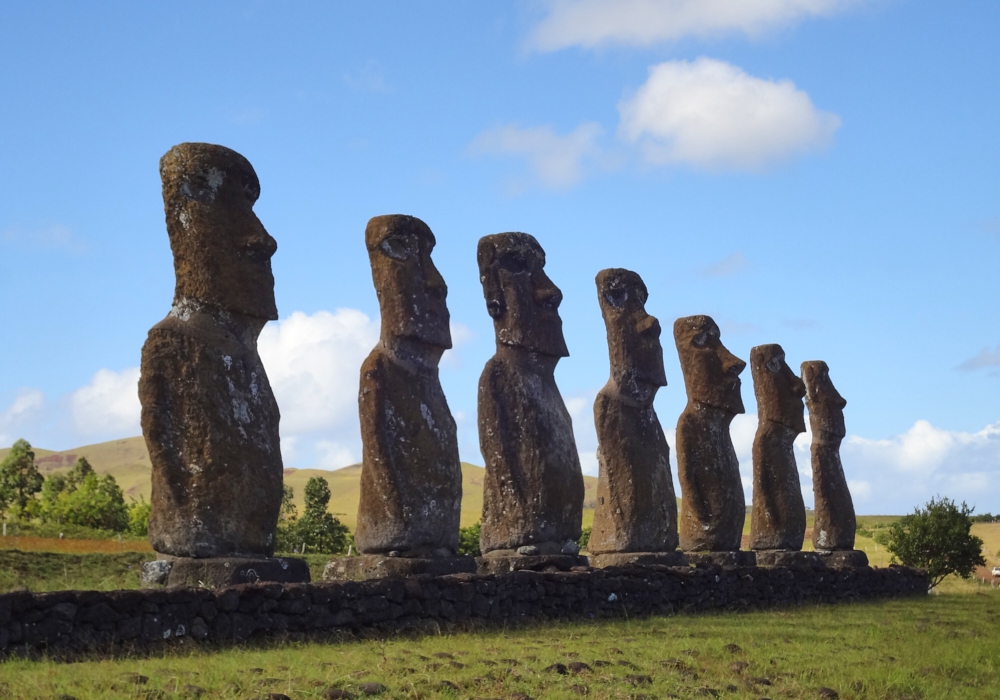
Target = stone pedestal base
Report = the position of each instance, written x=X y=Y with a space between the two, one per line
x=530 y=562
x=601 y=561
x=737 y=558
x=379 y=566
x=845 y=558
x=224 y=571
x=788 y=557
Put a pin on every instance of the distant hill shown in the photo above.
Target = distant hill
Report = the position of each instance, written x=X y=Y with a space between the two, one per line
x=128 y=461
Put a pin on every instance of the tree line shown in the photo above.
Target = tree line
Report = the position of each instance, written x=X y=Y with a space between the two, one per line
x=83 y=499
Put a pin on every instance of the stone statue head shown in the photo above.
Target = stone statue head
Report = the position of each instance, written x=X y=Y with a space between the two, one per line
x=826 y=405
x=411 y=292
x=711 y=372
x=779 y=392
x=633 y=335
x=521 y=299
x=222 y=253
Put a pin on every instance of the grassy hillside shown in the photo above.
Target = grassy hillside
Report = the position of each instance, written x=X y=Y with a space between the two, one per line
x=128 y=461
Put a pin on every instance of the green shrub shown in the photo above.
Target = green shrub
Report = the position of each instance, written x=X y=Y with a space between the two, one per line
x=468 y=540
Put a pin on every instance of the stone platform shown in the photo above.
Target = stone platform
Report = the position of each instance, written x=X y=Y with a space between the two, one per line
x=788 y=557
x=224 y=571
x=737 y=558
x=372 y=566
x=846 y=558
x=602 y=561
x=529 y=562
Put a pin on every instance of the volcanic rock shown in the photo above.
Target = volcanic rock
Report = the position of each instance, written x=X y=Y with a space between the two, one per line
x=835 y=524
x=533 y=490
x=712 y=507
x=209 y=416
x=636 y=509
x=778 y=519
x=411 y=477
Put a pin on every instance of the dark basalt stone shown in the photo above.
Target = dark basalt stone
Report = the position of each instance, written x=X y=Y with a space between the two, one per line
x=835 y=522
x=231 y=571
x=789 y=557
x=778 y=518
x=712 y=507
x=602 y=561
x=533 y=490
x=209 y=417
x=507 y=562
x=369 y=566
x=636 y=510
x=411 y=477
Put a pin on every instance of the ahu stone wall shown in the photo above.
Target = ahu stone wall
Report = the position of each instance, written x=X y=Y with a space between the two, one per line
x=84 y=621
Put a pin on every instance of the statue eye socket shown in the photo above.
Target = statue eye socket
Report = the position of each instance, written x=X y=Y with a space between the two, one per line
x=700 y=340
x=774 y=364
x=399 y=247
x=513 y=263
x=616 y=296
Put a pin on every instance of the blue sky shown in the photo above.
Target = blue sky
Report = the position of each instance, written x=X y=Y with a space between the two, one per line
x=823 y=174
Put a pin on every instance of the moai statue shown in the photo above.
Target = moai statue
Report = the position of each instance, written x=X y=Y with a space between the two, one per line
x=834 y=528
x=208 y=414
x=713 y=508
x=635 y=518
x=778 y=518
x=533 y=491
x=411 y=477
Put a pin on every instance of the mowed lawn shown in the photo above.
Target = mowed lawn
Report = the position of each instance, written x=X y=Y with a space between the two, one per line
x=939 y=646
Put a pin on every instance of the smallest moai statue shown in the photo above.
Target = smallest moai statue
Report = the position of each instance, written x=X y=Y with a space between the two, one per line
x=835 y=523
x=778 y=517
x=635 y=518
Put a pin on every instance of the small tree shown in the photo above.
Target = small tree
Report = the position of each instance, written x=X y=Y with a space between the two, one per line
x=20 y=479
x=317 y=528
x=938 y=538
x=468 y=540
x=138 y=518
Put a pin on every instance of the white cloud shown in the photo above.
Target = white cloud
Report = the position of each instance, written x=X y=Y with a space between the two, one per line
x=25 y=406
x=557 y=162
x=54 y=237
x=712 y=115
x=313 y=364
x=596 y=23
x=727 y=267
x=985 y=358
x=109 y=405
x=368 y=78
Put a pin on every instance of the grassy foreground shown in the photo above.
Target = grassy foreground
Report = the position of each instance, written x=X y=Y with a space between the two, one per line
x=941 y=646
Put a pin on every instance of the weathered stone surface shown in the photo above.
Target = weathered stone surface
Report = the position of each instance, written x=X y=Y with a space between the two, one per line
x=730 y=558
x=208 y=414
x=533 y=490
x=712 y=507
x=370 y=566
x=411 y=477
x=532 y=562
x=636 y=510
x=788 y=557
x=778 y=518
x=231 y=571
x=844 y=558
x=601 y=561
x=835 y=524
x=154 y=573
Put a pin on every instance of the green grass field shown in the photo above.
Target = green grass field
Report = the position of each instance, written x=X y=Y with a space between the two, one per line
x=941 y=646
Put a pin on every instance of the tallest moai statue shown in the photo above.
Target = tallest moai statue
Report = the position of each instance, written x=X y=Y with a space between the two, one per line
x=209 y=417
